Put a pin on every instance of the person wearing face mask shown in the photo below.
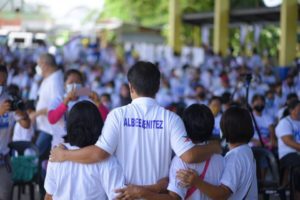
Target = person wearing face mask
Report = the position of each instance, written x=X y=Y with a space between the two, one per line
x=7 y=120
x=215 y=105
x=59 y=107
x=264 y=123
x=288 y=134
x=50 y=88
x=199 y=96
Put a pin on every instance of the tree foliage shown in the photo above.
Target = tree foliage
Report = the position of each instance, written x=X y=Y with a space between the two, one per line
x=154 y=13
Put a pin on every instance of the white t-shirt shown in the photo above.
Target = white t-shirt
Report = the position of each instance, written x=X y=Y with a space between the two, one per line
x=22 y=134
x=142 y=135
x=287 y=126
x=263 y=123
x=240 y=173
x=51 y=88
x=212 y=176
x=69 y=180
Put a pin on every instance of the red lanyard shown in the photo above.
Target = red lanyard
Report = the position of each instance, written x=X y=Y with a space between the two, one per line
x=202 y=175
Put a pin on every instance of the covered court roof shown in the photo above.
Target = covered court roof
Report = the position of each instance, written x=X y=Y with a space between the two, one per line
x=251 y=16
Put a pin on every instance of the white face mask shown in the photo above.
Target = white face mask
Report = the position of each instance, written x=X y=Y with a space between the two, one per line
x=73 y=86
x=38 y=70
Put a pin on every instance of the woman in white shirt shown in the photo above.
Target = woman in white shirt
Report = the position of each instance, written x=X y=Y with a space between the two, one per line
x=69 y=180
x=288 y=134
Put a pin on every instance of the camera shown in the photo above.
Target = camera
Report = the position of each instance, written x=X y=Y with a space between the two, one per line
x=16 y=103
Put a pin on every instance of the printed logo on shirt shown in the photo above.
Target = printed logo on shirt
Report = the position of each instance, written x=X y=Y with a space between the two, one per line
x=141 y=123
x=297 y=134
x=4 y=121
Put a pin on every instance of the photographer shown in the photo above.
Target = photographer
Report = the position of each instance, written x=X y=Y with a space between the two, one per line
x=9 y=113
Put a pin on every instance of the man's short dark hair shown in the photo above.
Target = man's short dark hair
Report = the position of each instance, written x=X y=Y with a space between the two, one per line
x=49 y=60
x=199 y=122
x=236 y=125
x=144 y=77
x=84 y=124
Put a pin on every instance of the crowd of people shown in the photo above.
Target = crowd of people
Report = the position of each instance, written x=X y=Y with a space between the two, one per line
x=58 y=101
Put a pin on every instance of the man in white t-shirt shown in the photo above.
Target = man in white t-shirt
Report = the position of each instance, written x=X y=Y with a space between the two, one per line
x=288 y=134
x=52 y=87
x=142 y=134
x=7 y=121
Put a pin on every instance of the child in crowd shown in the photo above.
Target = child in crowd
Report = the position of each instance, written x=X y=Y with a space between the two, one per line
x=215 y=105
x=23 y=134
x=69 y=180
x=239 y=177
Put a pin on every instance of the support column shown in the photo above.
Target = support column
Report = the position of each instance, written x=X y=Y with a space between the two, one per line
x=196 y=36
x=221 y=19
x=288 y=28
x=174 y=39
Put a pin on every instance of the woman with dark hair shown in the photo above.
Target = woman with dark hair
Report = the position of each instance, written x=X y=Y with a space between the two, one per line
x=288 y=134
x=70 y=180
x=57 y=112
x=239 y=177
x=73 y=81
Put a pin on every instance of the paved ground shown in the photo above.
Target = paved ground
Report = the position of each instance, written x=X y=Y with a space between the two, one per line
x=26 y=196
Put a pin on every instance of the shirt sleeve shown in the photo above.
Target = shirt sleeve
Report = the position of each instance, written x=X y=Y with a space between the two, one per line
x=179 y=140
x=50 y=182
x=109 y=138
x=230 y=177
x=174 y=186
x=57 y=113
x=284 y=128
x=112 y=177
